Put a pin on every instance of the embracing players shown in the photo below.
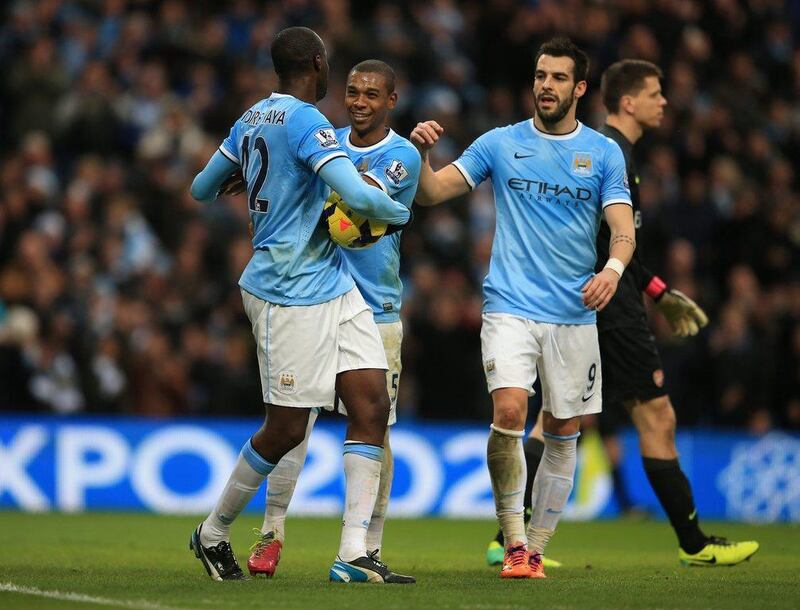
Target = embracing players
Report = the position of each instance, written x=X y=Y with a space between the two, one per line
x=553 y=180
x=390 y=163
x=314 y=332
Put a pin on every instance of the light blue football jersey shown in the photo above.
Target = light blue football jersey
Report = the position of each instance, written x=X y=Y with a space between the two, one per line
x=281 y=143
x=549 y=195
x=394 y=164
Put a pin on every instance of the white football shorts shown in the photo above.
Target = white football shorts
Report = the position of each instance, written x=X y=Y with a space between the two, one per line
x=565 y=356
x=301 y=348
x=392 y=337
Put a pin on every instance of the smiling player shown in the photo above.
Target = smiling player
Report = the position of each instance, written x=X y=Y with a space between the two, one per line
x=315 y=334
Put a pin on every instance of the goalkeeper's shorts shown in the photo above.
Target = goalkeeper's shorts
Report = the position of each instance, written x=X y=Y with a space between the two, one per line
x=632 y=368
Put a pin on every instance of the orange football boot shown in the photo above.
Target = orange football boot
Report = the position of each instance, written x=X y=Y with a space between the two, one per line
x=537 y=566
x=516 y=563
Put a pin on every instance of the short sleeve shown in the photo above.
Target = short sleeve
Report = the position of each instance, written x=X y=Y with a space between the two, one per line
x=230 y=145
x=614 y=187
x=475 y=163
x=396 y=170
x=312 y=138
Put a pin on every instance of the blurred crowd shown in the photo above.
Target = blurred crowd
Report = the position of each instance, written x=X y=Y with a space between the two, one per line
x=118 y=292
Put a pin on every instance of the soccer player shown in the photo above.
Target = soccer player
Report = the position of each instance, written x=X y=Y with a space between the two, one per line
x=633 y=379
x=314 y=332
x=389 y=162
x=553 y=180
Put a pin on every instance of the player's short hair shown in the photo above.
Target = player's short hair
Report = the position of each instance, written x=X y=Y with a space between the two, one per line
x=378 y=67
x=293 y=51
x=625 y=77
x=564 y=47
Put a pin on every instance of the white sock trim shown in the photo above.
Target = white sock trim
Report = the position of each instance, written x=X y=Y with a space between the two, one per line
x=507 y=432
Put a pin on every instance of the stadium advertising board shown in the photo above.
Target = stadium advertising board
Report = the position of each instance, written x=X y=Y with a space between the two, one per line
x=180 y=466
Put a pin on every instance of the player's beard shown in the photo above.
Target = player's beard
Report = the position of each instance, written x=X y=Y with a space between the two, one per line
x=553 y=116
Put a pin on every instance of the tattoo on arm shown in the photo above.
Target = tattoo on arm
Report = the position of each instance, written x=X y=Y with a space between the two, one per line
x=624 y=239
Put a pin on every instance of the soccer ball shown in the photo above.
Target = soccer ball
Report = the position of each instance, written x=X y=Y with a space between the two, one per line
x=347 y=228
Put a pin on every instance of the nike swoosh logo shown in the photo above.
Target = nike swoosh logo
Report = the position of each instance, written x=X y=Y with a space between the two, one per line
x=519 y=156
x=709 y=561
x=585 y=398
x=693 y=515
x=552 y=511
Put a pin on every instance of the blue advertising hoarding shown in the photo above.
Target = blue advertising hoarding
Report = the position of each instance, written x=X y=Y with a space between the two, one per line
x=179 y=466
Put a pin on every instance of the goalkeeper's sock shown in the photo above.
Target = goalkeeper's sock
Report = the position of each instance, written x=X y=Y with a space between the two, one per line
x=375 y=530
x=675 y=495
x=362 y=471
x=281 y=484
x=249 y=472
x=506 y=462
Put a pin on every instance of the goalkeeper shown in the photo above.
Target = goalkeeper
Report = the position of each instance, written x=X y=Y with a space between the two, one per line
x=633 y=379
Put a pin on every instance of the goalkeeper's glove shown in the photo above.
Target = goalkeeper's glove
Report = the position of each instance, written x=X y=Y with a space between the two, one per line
x=684 y=315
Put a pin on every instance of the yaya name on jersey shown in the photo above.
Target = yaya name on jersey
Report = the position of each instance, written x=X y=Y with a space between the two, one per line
x=271 y=117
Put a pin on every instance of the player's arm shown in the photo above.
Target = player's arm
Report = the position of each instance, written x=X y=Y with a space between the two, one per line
x=435 y=187
x=340 y=174
x=313 y=140
x=211 y=181
x=598 y=291
x=396 y=172
x=390 y=229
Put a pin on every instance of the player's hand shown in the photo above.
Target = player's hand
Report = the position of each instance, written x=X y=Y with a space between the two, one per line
x=598 y=291
x=684 y=315
x=234 y=184
x=425 y=135
x=390 y=229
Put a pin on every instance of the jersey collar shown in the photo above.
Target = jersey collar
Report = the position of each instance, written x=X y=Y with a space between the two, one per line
x=361 y=149
x=550 y=136
x=276 y=95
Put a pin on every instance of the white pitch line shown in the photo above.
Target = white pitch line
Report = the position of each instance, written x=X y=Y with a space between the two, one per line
x=137 y=604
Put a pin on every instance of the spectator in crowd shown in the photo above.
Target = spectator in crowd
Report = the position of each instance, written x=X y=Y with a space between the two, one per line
x=117 y=292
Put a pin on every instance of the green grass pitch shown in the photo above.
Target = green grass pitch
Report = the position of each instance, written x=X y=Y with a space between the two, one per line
x=143 y=561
